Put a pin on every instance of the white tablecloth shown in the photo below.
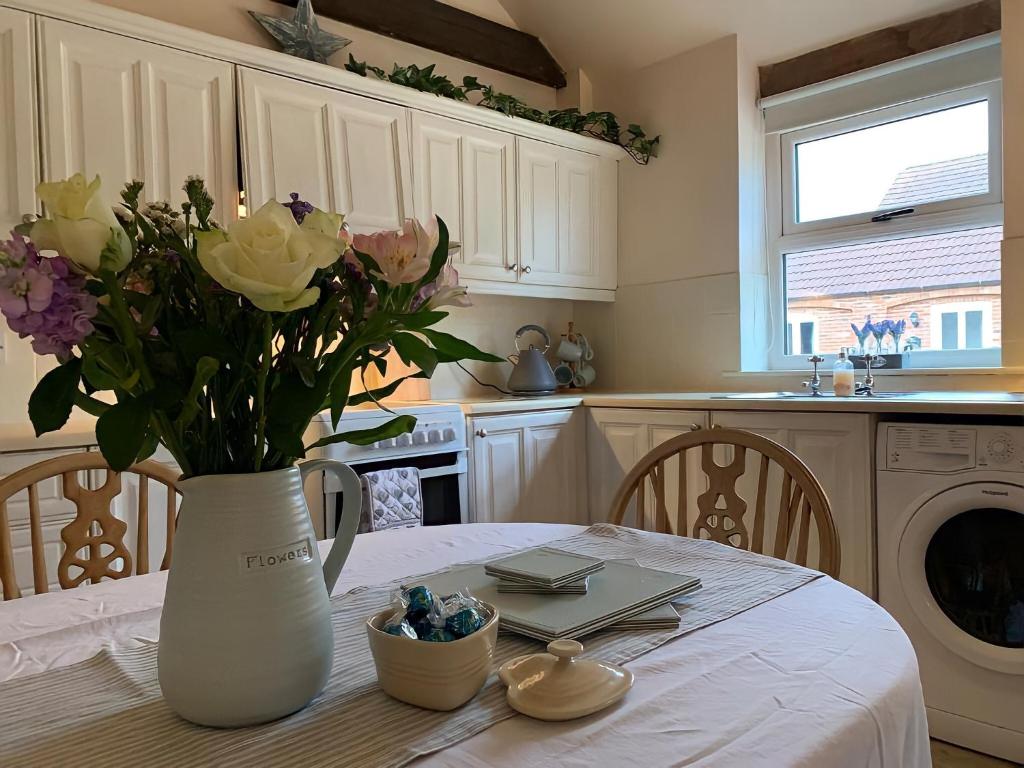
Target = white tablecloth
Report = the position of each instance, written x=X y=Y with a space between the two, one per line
x=821 y=677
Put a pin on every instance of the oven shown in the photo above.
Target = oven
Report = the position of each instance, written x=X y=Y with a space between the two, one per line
x=436 y=447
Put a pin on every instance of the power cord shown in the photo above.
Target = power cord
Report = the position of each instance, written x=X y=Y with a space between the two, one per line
x=481 y=383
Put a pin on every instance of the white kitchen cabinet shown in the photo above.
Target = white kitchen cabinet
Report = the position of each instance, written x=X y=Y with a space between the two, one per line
x=837 y=448
x=127 y=109
x=19 y=149
x=528 y=467
x=340 y=152
x=19 y=169
x=567 y=213
x=466 y=175
x=617 y=438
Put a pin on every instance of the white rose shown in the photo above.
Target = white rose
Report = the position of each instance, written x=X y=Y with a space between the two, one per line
x=270 y=259
x=80 y=226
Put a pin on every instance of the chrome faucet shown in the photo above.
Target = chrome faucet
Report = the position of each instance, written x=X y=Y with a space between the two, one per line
x=814 y=384
x=867 y=387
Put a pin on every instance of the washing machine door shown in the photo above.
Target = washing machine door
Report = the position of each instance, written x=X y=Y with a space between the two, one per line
x=961 y=565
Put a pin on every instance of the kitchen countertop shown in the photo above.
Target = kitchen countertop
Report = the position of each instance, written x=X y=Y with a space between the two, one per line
x=80 y=431
x=967 y=403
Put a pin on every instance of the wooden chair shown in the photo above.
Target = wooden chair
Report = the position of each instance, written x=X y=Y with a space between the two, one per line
x=93 y=528
x=722 y=512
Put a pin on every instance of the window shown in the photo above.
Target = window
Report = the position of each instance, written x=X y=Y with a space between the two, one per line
x=962 y=326
x=801 y=334
x=891 y=215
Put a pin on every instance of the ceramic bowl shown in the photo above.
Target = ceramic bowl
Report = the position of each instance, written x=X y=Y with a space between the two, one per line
x=439 y=676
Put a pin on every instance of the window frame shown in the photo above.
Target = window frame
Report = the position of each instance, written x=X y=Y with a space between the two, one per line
x=961 y=308
x=989 y=92
x=785 y=235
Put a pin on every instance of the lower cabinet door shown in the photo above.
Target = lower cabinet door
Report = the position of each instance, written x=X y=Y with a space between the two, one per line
x=528 y=468
x=617 y=438
x=837 y=448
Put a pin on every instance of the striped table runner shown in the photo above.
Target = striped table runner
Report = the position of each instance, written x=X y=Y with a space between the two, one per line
x=108 y=710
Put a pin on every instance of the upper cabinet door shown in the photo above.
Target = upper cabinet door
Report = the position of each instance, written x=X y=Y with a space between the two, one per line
x=341 y=152
x=567 y=207
x=19 y=149
x=466 y=175
x=126 y=109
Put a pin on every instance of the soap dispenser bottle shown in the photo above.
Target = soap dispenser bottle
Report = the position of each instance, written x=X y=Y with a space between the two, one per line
x=842 y=375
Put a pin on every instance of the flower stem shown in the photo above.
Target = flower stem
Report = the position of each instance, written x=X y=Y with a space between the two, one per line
x=261 y=389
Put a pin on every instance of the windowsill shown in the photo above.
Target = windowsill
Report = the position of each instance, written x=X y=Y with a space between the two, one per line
x=882 y=373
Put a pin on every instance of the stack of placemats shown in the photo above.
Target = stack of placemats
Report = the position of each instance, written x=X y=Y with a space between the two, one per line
x=615 y=594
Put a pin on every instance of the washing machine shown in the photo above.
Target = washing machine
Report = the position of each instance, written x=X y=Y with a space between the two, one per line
x=950 y=506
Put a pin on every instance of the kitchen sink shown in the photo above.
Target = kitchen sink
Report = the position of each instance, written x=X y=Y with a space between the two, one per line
x=804 y=395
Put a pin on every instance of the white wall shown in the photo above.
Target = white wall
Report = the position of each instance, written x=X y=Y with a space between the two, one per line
x=676 y=320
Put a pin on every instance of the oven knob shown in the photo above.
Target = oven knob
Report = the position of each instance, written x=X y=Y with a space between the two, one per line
x=403 y=441
x=419 y=438
x=383 y=444
x=434 y=436
x=448 y=435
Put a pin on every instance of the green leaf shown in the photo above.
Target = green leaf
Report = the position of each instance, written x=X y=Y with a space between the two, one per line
x=206 y=369
x=121 y=432
x=414 y=350
x=290 y=407
x=440 y=255
x=339 y=395
x=49 y=406
x=449 y=348
x=397 y=426
x=381 y=392
x=419 y=320
x=97 y=376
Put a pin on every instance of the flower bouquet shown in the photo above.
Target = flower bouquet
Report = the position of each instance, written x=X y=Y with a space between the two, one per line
x=222 y=344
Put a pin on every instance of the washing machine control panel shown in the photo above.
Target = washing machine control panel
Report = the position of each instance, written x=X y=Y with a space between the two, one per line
x=943 y=448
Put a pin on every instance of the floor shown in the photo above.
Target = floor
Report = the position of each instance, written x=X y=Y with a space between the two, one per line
x=947 y=756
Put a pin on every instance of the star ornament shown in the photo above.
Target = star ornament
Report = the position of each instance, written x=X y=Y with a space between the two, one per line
x=301 y=35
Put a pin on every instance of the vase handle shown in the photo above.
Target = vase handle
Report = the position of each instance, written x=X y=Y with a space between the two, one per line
x=348 y=526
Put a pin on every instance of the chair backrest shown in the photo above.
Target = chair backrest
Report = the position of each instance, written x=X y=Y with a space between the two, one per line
x=781 y=529
x=94 y=527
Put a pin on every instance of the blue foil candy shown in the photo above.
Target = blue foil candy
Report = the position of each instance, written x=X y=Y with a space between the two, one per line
x=439 y=636
x=421 y=600
x=401 y=629
x=465 y=622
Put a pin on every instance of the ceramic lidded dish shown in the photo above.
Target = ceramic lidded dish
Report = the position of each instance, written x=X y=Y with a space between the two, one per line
x=439 y=676
x=557 y=686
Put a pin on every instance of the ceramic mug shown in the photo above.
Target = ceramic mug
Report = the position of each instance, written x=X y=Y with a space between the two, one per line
x=584 y=377
x=569 y=352
x=563 y=375
x=584 y=345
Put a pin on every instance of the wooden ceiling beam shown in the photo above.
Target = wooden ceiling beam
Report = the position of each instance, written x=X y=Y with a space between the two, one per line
x=881 y=47
x=439 y=27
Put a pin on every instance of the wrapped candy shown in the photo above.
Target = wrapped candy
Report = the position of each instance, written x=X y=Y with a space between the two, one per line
x=420 y=614
x=401 y=628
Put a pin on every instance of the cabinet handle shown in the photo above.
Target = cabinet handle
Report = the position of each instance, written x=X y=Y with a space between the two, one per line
x=481 y=433
x=526 y=270
x=512 y=267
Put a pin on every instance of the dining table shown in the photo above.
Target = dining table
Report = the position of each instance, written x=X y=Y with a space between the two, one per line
x=820 y=676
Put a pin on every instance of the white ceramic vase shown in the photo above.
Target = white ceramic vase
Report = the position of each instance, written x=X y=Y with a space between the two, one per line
x=245 y=634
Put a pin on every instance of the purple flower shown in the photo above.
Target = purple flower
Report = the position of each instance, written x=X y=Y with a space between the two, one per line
x=44 y=298
x=299 y=208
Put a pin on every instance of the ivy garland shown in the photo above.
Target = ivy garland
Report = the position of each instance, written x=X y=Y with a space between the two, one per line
x=600 y=125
